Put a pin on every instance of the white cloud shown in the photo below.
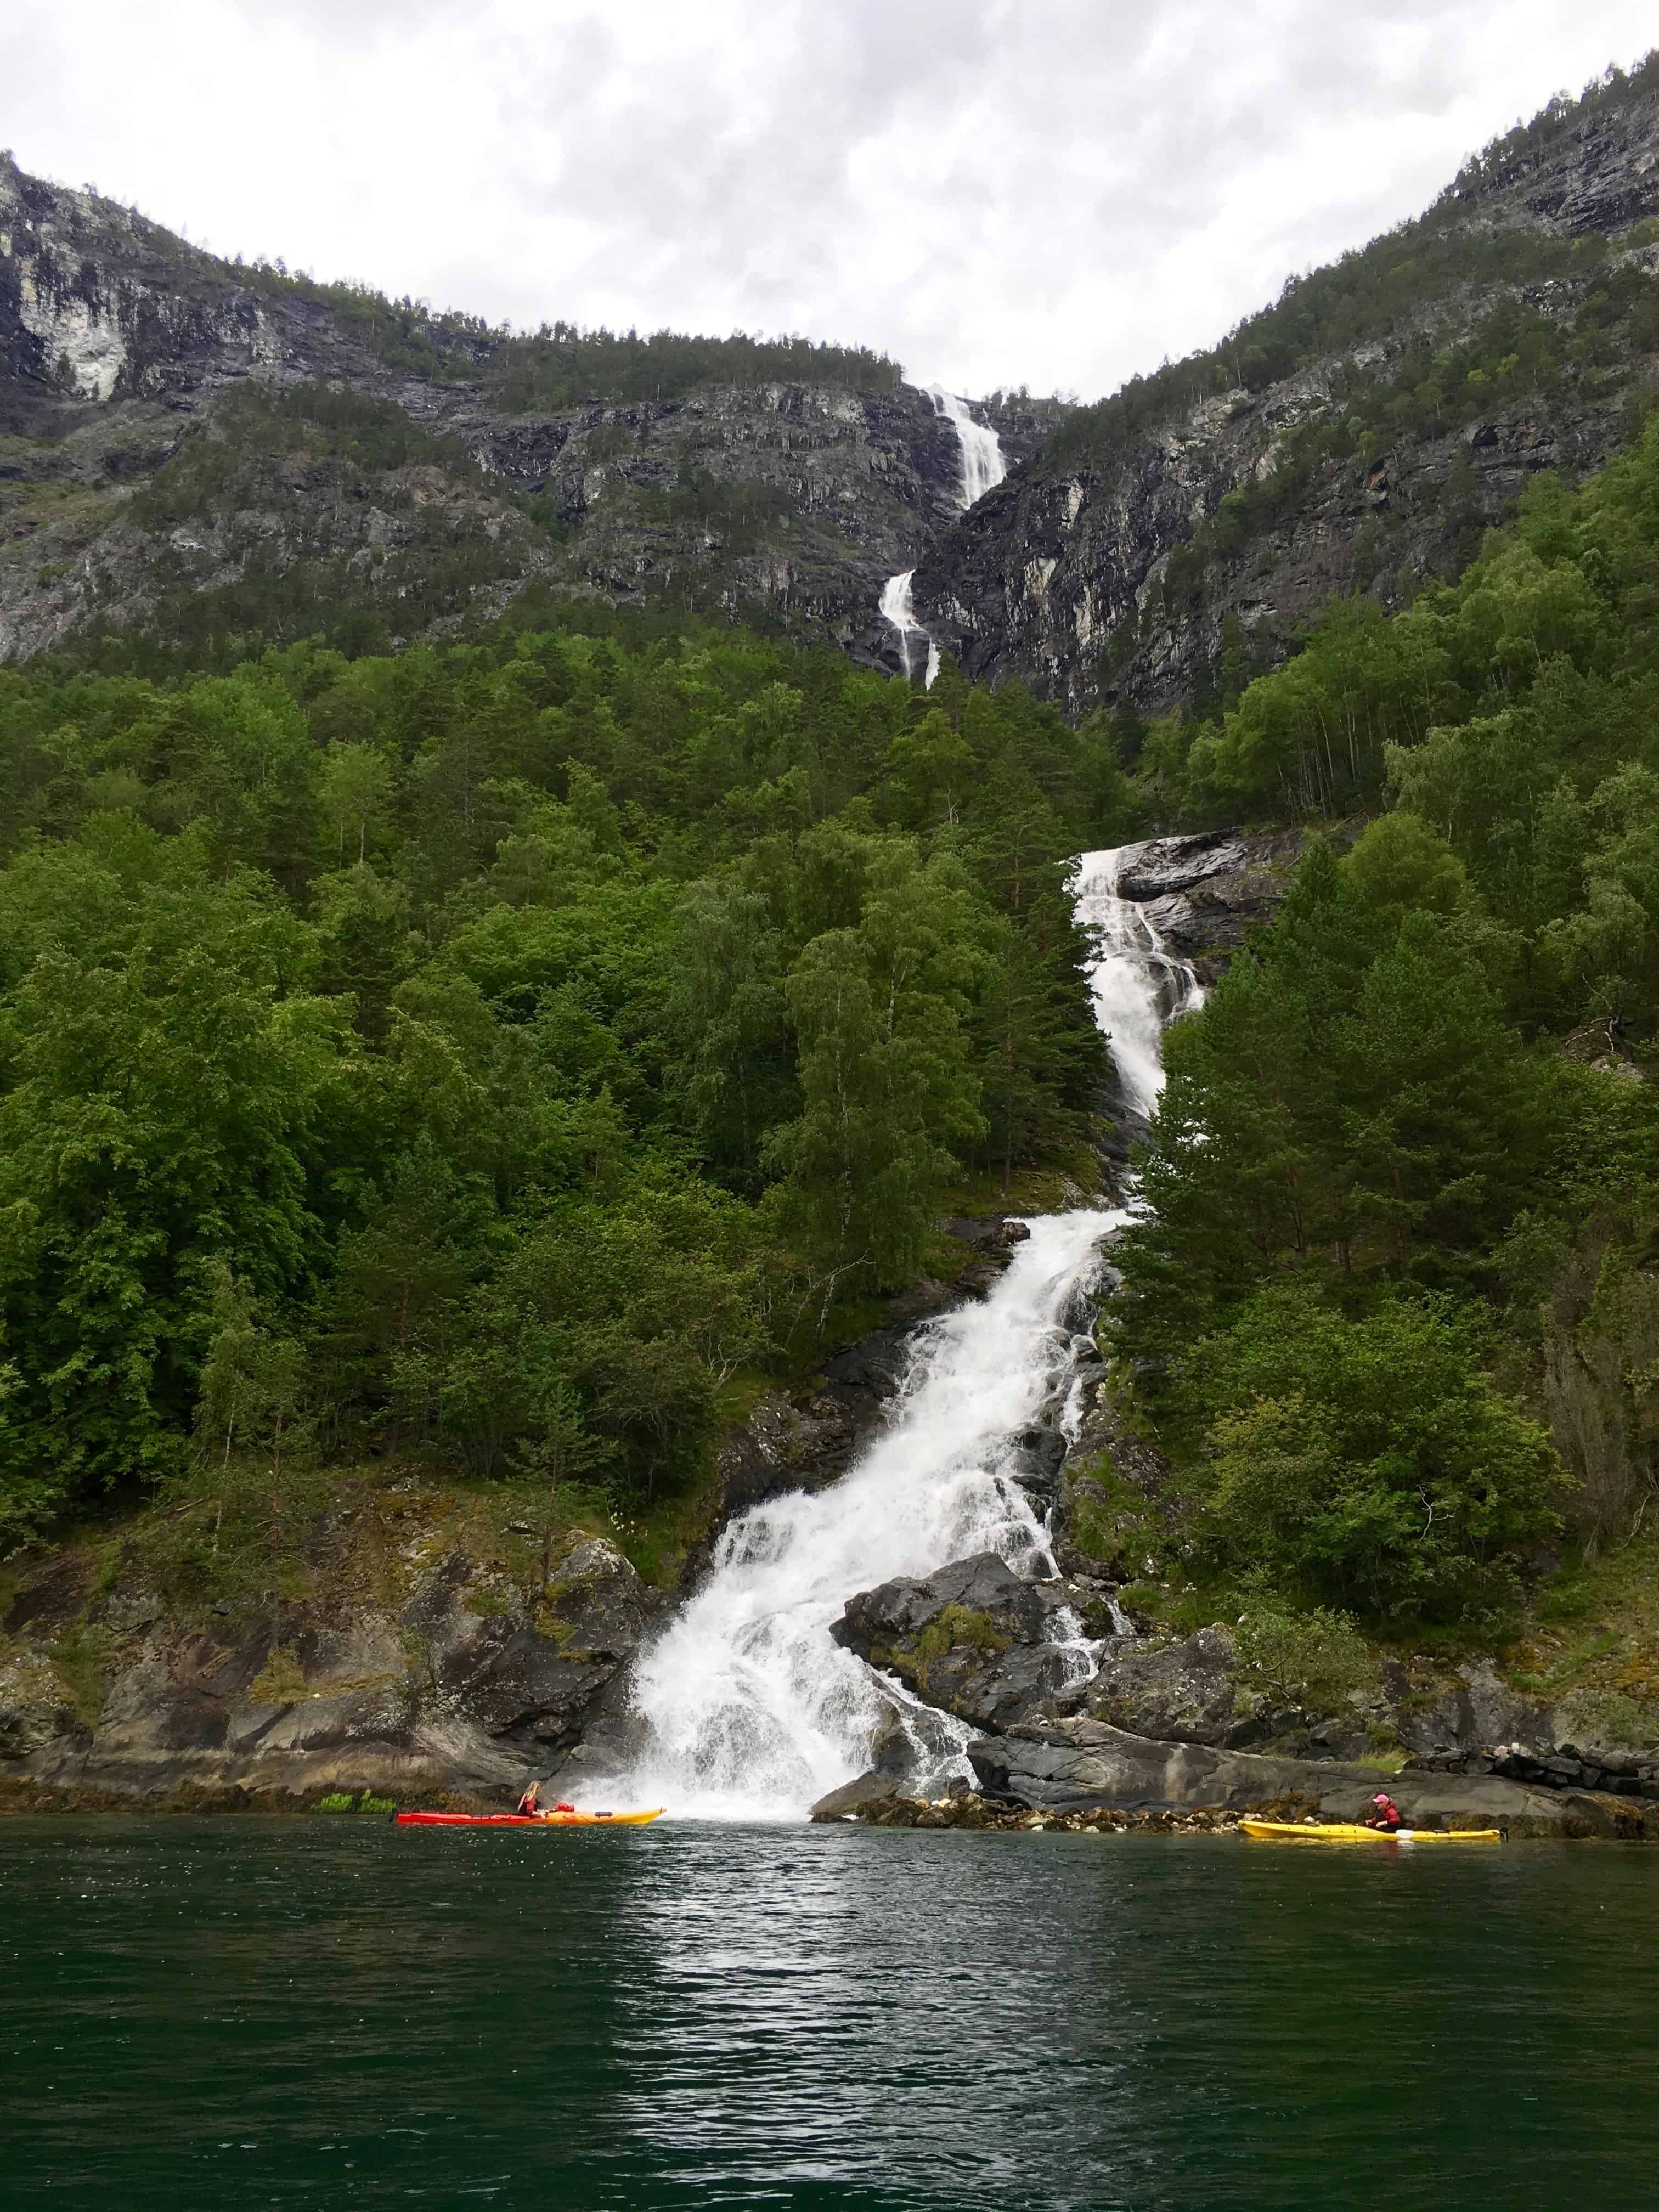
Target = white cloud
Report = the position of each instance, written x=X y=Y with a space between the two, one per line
x=996 y=193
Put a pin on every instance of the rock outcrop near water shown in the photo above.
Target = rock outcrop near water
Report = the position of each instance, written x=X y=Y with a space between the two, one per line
x=468 y=1683
x=1070 y=1764
x=973 y=1639
x=1125 y=569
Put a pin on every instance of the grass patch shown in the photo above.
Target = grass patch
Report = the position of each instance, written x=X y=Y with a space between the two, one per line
x=342 y=1800
x=281 y=1680
x=80 y=1658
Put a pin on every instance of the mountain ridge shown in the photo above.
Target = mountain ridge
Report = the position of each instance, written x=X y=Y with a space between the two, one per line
x=786 y=499
x=1357 y=435
x=176 y=461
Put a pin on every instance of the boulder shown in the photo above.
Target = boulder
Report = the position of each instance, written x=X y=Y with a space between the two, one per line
x=1182 y=1691
x=900 y=1610
x=860 y=1797
x=971 y=1638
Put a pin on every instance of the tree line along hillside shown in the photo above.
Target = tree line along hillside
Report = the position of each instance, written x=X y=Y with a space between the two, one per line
x=488 y=1051
x=1394 y=1309
x=560 y=365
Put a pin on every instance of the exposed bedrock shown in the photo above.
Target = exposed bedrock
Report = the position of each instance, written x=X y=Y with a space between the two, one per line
x=1069 y=1764
x=471 y=1683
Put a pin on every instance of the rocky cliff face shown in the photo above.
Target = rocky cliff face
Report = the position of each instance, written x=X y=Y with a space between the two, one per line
x=1127 y=564
x=451 y=1675
x=121 y=346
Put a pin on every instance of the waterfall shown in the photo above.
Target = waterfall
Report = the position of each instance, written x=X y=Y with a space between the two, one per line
x=1137 y=985
x=895 y=608
x=749 y=1709
x=982 y=466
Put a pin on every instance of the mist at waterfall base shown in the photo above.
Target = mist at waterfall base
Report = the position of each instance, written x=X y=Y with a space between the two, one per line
x=753 y=1711
x=982 y=467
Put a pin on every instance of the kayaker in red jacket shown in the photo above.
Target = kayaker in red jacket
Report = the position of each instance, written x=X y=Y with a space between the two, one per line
x=1384 y=1812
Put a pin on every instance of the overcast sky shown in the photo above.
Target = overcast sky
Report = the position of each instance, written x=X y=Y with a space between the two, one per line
x=1052 y=194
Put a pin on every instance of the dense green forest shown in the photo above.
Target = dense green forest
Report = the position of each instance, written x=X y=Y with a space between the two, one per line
x=488 y=1051
x=1394 y=1306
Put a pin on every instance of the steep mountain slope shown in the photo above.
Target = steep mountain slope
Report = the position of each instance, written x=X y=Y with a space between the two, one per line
x=1359 y=435
x=176 y=455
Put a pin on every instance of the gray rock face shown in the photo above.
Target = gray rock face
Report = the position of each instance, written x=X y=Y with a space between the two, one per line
x=1070 y=1764
x=1478 y=1712
x=972 y=1640
x=1065 y=577
x=117 y=341
x=469 y=1689
x=34 y=1710
x=1181 y=1692
x=1204 y=894
x=502 y=1674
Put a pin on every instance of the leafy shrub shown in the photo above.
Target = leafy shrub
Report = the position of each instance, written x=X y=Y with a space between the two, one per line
x=1371 y=1461
x=1315 y=1658
x=342 y=1800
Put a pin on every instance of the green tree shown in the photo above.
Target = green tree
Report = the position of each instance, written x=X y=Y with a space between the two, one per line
x=885 y=1083
x=726 y=1012
x=1370 y=1459
x=354 y=795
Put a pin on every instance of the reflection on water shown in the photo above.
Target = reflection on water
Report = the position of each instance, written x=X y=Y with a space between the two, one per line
x=211 y=2014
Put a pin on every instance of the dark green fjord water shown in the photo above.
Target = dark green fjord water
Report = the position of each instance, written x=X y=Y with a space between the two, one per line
x=200 y=2013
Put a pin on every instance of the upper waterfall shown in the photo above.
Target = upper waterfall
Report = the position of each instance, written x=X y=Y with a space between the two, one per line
x=982 y=467
x=751 y=1708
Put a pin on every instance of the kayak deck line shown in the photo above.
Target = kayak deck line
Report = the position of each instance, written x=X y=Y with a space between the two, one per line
x=1345 y=1832
x=529 y=1819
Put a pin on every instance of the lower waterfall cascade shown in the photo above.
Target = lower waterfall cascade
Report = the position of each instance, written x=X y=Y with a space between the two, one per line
x=982 y=467
x=896 y=610
x=749 y=1709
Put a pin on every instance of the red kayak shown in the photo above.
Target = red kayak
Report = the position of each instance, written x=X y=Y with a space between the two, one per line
x=528 y=1819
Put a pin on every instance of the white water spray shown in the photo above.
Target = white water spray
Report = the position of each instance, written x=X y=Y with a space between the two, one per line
x=1137 y=985
x=982 y=467
x=895 y=608
x=751 y=1709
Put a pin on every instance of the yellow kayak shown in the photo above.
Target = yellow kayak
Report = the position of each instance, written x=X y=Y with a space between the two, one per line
x=1339 y=1832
